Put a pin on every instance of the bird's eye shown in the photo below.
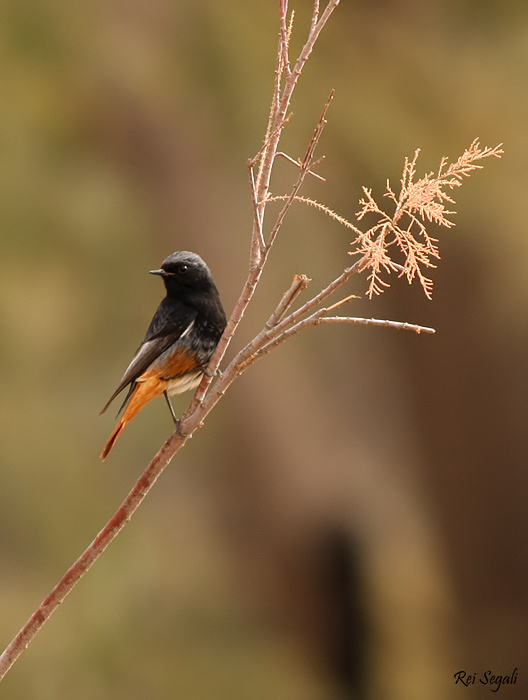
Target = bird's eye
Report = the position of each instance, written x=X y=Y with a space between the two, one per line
x=183 y=268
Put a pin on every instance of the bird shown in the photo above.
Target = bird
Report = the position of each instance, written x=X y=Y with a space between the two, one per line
x=179 y=342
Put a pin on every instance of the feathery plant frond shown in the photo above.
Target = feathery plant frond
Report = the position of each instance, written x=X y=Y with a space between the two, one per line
x=404 y=229
x=419 y=202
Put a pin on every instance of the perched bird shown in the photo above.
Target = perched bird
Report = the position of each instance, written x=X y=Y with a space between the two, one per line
x=179 y=342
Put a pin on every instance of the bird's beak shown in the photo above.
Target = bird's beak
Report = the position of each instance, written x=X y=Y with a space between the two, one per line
x=157 y=272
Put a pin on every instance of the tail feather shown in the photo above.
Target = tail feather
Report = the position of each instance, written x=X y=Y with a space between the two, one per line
x=143 y=392
x=111 y=440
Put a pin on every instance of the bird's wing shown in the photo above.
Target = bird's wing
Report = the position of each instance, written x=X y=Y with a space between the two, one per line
x=170 y=323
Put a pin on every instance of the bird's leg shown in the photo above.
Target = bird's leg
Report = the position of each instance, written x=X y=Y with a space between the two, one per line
x=171 y=409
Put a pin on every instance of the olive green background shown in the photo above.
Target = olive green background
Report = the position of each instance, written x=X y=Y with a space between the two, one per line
x=351 y=522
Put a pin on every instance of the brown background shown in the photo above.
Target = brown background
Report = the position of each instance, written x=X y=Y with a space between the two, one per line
x=352 y=521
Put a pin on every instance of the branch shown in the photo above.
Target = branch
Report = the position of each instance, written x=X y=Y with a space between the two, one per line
x=319 y=319
x=266 y=341
x=282 y=98
x=299 y=283
x=280 y=103
x=306 y=164
x=396 y=325
x=298 y=163
x=91 y=553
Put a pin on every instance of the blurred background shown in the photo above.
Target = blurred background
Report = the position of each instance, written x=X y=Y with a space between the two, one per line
x=352 y=521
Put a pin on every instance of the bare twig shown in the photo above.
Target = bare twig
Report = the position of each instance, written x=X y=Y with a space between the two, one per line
x=282 y=100
x=303 y=171
x=341 y=302
x=299 y=283
x=285 y=33
x=91 y=553
x=298 y=164
x=257 y=237
x=397 y=325
x=275 y=330
x=319 y=318
x=315 y=14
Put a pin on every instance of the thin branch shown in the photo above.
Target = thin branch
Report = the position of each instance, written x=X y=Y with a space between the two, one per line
x=285 y=33
x=322 y=295
x=299 y=283
x=315 y=15
x=341 y=302
x=276 y=132
x=255 y=271
x=318 y=318
x=92 y=552
x=303 y=171
x=270 y=332
x=282 y=100
x=397 y=325
x=265 y=158
x=257 y=237
x=298 y=164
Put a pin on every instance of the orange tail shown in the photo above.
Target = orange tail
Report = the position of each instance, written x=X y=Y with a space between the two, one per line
x=145 y=391
x=111 y=440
